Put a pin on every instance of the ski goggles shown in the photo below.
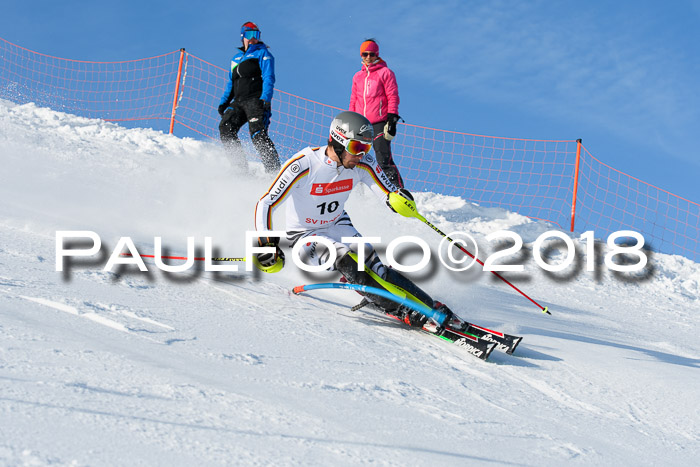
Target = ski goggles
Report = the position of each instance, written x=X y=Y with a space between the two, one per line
x=357 y=147
x=251 y=34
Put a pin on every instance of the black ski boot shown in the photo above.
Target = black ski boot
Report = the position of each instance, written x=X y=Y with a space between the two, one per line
x=442 y=308
x=411 y=317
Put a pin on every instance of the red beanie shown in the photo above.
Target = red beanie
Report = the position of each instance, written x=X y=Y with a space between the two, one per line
x=369 y=46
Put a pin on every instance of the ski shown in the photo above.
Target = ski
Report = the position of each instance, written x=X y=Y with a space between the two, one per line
x=473 y=345
x=479 y=343
x=458 y=330
x=504 y=342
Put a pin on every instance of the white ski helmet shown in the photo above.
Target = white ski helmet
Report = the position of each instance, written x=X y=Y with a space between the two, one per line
x=352 y=132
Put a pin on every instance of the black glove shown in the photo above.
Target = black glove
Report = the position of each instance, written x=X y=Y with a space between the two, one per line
x=269 y=259
x=222 y=108
x=390 y=127
x=402 y=192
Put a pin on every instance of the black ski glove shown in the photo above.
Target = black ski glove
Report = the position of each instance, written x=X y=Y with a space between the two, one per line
x=222 y=108
x=269 y=259
x=390 y=127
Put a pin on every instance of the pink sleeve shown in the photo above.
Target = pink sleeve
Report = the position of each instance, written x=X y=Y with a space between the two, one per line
x=392 y=92
x=353 y=95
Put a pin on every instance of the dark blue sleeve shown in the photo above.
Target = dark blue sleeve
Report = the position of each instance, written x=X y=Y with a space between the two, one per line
x=267 y=66
x=227 y=97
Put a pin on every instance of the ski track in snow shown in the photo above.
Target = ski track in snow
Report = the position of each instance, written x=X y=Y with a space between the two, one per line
x=206 y=368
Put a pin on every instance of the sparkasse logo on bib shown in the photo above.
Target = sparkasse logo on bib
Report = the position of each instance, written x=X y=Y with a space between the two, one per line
x=322 y=189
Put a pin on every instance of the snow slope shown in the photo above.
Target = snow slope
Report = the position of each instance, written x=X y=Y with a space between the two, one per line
x=199 y=368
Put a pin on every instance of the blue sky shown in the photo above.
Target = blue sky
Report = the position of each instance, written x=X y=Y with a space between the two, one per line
x=622 y=75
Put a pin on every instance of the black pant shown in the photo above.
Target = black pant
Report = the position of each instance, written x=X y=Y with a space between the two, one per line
x=382 y=151
x=347 y=266
x=257 y=116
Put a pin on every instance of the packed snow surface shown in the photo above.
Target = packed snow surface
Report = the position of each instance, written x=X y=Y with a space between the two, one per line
x=212 y=368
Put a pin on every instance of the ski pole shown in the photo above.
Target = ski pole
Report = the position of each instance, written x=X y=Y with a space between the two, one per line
x=407 y=208
x=184 y=258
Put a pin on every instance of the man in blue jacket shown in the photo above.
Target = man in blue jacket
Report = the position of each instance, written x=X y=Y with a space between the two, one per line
x=247 y=98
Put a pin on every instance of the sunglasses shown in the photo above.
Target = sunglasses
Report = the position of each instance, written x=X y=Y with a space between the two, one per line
x=251 y=34
x=369 y=54
x=357 y=147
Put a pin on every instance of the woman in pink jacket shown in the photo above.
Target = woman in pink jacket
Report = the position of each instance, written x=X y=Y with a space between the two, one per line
x=376 y=96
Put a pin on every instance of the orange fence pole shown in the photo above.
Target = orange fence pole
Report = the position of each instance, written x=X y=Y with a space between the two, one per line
x=573 y=202
x=177 y=90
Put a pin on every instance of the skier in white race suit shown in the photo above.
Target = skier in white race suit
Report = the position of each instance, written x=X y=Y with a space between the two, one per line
x=315 y=184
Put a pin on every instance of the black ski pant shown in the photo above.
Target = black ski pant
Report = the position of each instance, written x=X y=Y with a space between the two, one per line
x=382 y=151
x=253 y=112
x=348 y=268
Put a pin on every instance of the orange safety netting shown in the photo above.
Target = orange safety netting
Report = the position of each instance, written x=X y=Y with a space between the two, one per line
x=532 y=177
